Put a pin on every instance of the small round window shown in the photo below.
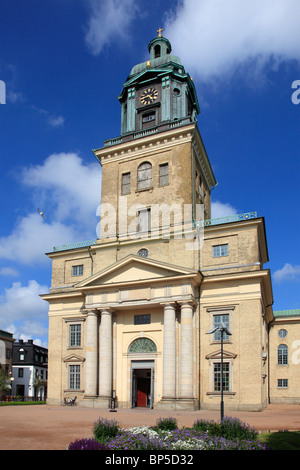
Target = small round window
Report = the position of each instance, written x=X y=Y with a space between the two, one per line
x=282 y=333
x=143 y=252
x=176 y=92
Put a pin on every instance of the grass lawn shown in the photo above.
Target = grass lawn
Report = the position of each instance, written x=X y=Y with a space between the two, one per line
x=282 y=440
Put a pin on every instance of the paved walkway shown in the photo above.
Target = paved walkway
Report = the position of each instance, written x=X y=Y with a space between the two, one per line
x=44 y=427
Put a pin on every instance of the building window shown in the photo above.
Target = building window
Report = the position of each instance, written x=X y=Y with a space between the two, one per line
x=282 y=383
x=144 y=176
x=75 y=335
x=164 y=174
x=220 y=250
x=157 y=51
x=74 y=377
x=142 y=319
x=282 y=333
x=21 y=355
x=144 y=221
x=148 y=117
x=143 y=253
x=282 y=355
x=142 y=345
x=77 y=270
x=217 y=377
x=126 y=183
x=218 y=319
x=20 y=372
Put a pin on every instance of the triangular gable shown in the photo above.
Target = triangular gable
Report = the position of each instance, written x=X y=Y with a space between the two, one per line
x=217 y=355
x=133 y=269
x=147 y=73
x=73 y=358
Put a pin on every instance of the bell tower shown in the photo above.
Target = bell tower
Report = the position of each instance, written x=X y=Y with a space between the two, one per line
x=159 y=161
x=158 y=93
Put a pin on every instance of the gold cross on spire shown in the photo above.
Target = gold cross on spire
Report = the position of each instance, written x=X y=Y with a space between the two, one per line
x=160 y=30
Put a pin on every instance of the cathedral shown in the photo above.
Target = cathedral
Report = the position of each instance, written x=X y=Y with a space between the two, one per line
x=167 y=308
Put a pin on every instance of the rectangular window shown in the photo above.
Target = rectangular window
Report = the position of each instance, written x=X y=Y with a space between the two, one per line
x=220 y=250
x=142 y=319
x=217 y=377
x=282 y=383
x=218 y=319
x=126 y=183
x=20 y=372
x=75 y=335
x=164 y=174
x=74 y=377
x=22 y=357
x=144 y=221
x=149 y=117
x=77 y=270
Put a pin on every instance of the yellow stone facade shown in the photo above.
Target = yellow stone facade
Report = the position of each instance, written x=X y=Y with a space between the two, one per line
x=129 y=313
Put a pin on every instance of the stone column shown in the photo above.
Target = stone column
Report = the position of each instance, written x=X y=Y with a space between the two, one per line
x=105 y=348
x=186 y=350
x=169 y=357
x=91 y=368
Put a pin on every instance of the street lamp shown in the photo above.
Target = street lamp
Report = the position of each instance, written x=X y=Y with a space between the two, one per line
x=222 y=328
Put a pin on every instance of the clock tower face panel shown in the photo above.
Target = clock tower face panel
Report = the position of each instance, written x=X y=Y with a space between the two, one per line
x=149 y=95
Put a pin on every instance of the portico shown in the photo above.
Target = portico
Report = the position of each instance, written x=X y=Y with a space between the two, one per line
x=164 y=313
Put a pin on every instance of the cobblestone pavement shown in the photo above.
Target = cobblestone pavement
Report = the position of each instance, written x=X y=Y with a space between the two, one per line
x=44 y=427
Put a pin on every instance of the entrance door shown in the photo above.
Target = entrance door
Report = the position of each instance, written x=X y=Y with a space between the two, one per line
x=143 y=389
x=142 y=384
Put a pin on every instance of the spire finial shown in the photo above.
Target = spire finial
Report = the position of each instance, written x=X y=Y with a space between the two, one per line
x=160 y=30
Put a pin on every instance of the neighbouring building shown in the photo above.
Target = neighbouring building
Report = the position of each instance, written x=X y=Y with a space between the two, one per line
x=29 y=370
x=130 y=311
x=6 y=349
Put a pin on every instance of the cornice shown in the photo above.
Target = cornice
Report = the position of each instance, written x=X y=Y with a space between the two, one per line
x=152 y=143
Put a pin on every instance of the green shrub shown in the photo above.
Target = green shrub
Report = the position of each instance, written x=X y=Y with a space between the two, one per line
x=230 y=428
x=104 y=429
x=167 y=424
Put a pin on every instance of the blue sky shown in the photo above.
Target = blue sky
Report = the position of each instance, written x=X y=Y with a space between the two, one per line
x=63 y=63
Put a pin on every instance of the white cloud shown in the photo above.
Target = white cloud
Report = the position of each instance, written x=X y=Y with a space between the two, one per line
x=214 y=38
x=31 y=238
x=56 y=121
x=287 y=273
x=109 y=22
x=68 y=192
x=5 y=271
x=66 y=185
x=221 y=209
x=20 y=307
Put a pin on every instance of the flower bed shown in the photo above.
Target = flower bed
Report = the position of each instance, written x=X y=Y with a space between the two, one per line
x=204 y=435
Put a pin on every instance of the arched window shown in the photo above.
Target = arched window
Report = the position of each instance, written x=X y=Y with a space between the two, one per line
x=143 y=252
x=282 y=355
x=142 y=345
x=157 y=51
x=144 y=175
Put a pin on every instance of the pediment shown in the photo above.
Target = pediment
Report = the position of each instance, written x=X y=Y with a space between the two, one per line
x=73 y=358
x=217 y=355
x=146 y=74
x=134 y=269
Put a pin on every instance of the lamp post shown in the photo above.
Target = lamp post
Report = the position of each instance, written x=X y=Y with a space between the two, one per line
x=222 y=328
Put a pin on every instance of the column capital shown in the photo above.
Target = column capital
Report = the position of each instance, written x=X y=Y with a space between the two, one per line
x=90 y=311
x=188 y=303
x=105 y=310
x=168 y=304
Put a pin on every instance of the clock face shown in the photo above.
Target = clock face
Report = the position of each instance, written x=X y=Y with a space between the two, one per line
x=149 y=95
